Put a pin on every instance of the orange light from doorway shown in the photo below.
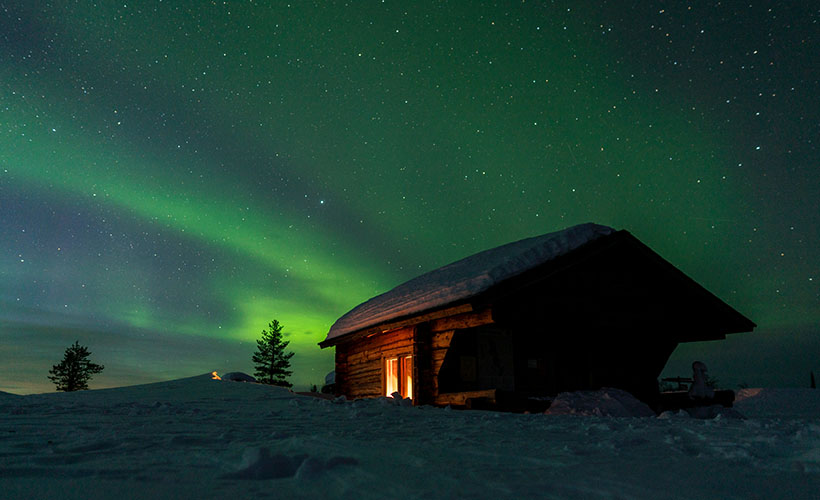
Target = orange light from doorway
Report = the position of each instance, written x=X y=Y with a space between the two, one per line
x=398 y=376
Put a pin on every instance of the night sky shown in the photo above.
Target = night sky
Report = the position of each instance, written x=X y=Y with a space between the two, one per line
x=176 y=174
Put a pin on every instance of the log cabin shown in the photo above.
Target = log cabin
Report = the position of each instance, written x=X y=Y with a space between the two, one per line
x=583 y=308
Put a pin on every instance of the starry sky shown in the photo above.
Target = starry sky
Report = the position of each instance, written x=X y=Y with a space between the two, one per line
x=176 y=174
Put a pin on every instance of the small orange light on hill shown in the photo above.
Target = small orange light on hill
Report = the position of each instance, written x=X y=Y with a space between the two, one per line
x=214 y=376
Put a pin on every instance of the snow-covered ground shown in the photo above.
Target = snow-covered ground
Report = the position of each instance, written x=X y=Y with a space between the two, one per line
x=202 y=438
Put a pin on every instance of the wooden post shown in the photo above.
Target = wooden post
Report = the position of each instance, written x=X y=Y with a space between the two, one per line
x=422 y=365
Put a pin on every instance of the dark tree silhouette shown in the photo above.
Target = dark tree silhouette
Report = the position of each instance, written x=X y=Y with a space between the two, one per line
x=75 y=370
x=270 y=359
x=813 y=383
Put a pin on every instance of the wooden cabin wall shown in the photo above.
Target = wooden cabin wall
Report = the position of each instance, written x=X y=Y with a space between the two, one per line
x=441 y=336
x=359 y=363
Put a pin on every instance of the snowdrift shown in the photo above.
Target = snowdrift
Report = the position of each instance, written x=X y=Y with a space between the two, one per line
x=607 y=402
x=781 y=403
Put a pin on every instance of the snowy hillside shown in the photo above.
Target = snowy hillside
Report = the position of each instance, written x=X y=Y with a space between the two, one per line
x=202 y=438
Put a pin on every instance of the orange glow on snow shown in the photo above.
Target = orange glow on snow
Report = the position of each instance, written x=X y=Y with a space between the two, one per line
x=214 y=376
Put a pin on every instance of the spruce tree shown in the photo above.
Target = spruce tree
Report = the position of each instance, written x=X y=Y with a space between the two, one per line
x=270 y=359
x=75 y=370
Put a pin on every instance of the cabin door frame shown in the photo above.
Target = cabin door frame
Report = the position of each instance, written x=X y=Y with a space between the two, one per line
x=397 y=375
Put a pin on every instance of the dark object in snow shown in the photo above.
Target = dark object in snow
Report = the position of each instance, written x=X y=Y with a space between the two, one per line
x=270 y=359
x=579 y=309
x=238 y=377
x=75 y=370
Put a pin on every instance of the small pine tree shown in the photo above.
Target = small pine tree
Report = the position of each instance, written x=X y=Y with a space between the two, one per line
x=75 y=370
x=270 y=359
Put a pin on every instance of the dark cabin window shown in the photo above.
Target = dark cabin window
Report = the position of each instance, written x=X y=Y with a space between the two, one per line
x=398 y=376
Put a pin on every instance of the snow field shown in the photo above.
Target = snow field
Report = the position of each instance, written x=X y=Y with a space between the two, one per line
x=203 y=438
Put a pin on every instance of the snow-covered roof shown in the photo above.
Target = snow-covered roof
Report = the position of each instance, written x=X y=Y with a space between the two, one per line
x=465 y=278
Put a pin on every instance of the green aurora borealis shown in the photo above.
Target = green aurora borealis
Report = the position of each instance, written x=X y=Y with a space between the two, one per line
x=175 y=174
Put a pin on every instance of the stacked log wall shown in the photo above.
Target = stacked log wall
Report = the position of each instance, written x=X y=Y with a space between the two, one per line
x=359 y=365
x=360 y=362
x=442 y=331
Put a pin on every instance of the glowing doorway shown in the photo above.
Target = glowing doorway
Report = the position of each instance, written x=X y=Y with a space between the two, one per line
x=398 y=376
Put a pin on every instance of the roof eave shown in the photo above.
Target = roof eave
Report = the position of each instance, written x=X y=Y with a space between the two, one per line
x=401 y=322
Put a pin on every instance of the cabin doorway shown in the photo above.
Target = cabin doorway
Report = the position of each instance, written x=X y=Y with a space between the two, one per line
x=398 y=376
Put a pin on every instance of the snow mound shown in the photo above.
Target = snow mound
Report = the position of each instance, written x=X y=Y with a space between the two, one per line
x=238 y=377
x=466 y=278
x=259 y=463
x=606 y=402
x=783 y=402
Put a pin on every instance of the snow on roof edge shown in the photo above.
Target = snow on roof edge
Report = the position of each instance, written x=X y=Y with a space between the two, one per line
x=465 y=278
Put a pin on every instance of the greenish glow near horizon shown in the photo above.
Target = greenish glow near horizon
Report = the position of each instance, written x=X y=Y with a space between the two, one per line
x=184 y=171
